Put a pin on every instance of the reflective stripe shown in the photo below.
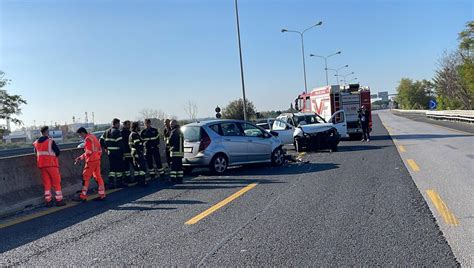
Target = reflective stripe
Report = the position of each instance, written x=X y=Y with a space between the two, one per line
x=142 y=173
x=127 y=154
x=110 y=139
x=113 y=148
x=176 y=154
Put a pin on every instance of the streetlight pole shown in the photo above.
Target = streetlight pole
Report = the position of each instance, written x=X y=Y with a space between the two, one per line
x=337 y=72
x=346 y=76
x=241 y=62
x=301 y=33
x=326 y=62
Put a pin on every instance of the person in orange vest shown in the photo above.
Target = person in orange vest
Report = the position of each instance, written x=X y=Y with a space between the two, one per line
x=92 y=155
x=47 y=153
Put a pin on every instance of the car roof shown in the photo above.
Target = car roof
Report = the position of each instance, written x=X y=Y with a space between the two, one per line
x=296 y=114
x=214 y=121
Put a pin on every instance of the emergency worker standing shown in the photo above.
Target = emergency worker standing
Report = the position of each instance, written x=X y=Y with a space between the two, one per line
x=127 y=155
x=137 y=148
x=47 y=153
x=176 y=143
x=151 y=141
x=166 y=134
x=112 y=142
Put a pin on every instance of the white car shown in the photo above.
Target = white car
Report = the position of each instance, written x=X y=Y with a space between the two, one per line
x=310 y=130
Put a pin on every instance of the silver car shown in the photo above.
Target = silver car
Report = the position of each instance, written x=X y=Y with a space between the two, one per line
x=218 y=144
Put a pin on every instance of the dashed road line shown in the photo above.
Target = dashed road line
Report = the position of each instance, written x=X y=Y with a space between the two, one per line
x=401 y=148
x=413 y=165
x=219 y=205
x=49 y=211
x=448 y=216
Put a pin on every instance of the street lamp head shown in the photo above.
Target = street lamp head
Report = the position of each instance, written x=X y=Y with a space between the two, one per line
x=347 y=65
x=312 y=55
x=339 y=52
x=319 y=23
x=284 y=30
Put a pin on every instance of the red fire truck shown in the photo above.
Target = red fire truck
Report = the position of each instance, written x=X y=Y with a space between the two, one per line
x=327 y=100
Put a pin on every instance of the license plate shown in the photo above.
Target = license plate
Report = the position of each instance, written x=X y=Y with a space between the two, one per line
x=188 y=149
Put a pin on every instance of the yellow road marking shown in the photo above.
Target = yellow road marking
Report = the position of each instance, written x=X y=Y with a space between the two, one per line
x=50 y=210
x=401 y=148
x=413 y=165
x=448 y=216
x=220 y=204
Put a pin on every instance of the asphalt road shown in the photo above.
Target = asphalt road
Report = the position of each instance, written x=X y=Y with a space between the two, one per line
x=444 y=159
x=358 y=206
x=461 y=126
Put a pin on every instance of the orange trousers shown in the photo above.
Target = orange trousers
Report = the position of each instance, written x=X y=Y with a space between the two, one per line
x=51 y=178
x=92 y=169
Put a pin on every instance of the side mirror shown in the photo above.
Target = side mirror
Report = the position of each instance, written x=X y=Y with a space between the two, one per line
x=273 y=133
x=288 y=127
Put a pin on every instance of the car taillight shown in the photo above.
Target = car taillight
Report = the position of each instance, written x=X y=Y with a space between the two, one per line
x=205 y=141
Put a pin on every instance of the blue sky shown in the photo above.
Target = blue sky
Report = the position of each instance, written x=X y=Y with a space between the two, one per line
x=114 y=57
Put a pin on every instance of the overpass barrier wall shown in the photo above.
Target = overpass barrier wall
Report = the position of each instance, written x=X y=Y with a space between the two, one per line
x=20 y=180
x=466 y=116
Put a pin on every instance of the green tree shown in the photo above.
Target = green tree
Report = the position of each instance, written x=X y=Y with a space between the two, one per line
x=414 y=94
x=10 y=105
x=466 y=39
x=235 y=110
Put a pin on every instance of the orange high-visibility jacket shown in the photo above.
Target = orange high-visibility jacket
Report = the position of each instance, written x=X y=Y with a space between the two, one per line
x=45 y=155
x=92 y=149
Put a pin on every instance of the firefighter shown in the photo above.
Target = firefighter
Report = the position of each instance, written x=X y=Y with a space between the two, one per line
x=137 y=149
x=112 y=142
x=166 y=134
x=47 y=153
x=92 y=156
x=364 y=117
x=176 y=143
x=151 y=141
x=127 y=156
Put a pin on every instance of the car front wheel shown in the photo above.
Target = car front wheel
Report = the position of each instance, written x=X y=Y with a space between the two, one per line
x=219 y=164
x=278 y=157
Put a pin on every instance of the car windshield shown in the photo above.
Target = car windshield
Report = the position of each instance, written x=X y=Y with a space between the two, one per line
x=191 y=133
x=308 y=119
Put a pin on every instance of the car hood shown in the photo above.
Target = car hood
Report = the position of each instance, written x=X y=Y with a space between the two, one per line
x=315 y=128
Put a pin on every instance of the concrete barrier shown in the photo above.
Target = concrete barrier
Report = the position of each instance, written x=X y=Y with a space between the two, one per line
x=20 y=180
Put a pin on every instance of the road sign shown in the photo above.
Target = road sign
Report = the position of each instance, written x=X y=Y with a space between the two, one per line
x=433 y=104
x=383 y=95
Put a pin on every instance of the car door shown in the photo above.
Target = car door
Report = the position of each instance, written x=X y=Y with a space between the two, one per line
x=285 y=131
x=234 y=142
x=338 y=119
x=259 y=143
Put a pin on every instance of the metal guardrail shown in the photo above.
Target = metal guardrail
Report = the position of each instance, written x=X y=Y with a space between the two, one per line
x=30 y=150
x=466 y=116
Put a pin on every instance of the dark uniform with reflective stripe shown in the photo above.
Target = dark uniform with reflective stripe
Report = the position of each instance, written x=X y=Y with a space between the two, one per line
x=112 y=141
x=127 y=156
x=166 y=134
x=151 y=141
x=139 y=164
x=176 y=144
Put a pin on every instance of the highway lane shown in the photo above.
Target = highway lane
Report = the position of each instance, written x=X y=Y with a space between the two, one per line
x=356 y=206
x=441 y=162
x=30 y=150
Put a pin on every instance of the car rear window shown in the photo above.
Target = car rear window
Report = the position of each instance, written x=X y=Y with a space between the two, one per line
x=191 y=133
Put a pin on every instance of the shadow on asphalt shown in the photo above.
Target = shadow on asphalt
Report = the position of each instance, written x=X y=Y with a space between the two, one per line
x=418 y=136
x=352 y=148
x=22 y=233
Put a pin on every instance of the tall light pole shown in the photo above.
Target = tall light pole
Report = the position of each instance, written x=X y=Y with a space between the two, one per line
x=241 y=63
x=337 y=72
x=301 y=33
x=326 y=62
x=346 y=75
